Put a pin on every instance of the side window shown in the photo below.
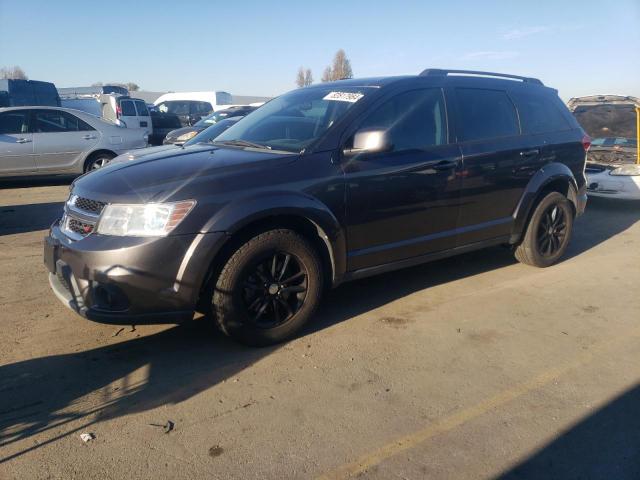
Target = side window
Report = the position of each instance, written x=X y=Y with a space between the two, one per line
x=55 y=121
x=128 y=110
x=142 y=109
x=14 y=122
x=201 y=108
x=485 y=114
x=415 y=119
x=538 y=113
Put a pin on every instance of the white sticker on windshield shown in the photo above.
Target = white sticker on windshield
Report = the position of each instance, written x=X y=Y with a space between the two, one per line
x=350 y=97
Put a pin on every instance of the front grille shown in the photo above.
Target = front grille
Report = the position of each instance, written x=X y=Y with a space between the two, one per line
x=81 y=216
x=79 y=227
x=88 y=205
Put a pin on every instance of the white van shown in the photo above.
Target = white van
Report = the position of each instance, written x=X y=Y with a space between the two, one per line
x=130 y=112
x=211 y=101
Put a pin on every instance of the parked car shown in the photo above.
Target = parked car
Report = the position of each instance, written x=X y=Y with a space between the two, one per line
x=204 y=137
x=181 y=135
x=17 y=93
x=322 y=185
x=613 y=165
x=53 y=140
x=116 y=108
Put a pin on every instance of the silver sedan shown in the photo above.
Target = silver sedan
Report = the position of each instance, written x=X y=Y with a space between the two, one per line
x=60 y=141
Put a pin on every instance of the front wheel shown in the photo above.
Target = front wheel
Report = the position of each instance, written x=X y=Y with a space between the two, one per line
x=548 y=232
x=268 y=289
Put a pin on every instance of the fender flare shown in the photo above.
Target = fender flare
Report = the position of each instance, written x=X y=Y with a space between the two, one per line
x=237 y=215
x=538 y=182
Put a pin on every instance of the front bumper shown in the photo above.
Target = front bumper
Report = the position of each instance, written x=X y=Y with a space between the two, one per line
x=130 y=279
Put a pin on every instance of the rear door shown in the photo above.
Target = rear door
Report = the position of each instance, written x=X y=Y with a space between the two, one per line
x=545 y=125
x=128 y=113
x=144 y=117
x=494 y=173
x=16 y=143
x=61 y=140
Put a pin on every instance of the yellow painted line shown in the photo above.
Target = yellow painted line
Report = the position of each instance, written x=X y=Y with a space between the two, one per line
x=451 y=422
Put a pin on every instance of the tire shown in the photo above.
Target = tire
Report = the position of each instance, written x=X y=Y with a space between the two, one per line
x=257 y=307
x=98 y=161
x=548 y=232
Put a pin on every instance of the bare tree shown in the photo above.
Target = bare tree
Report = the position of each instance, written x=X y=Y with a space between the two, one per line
x=300 y=78
x=341 y=66
x=308 y=77
x=327 y=75
x=14 y=73
x=132 y=87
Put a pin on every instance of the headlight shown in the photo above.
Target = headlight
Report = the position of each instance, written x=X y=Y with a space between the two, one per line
x=145 y=220
x=626 y=170
x=186 y=136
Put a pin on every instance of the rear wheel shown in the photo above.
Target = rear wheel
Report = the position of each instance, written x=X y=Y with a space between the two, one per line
x=548 y=232
x=268 y=289
x=98 y=161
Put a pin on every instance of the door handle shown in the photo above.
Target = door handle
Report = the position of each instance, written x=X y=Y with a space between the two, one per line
x=23 y=140
x=445 y=165
x=88 y=137
x=530 y=153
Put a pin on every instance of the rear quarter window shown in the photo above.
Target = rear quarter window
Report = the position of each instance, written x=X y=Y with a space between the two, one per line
x=485 y=114
x=539 y=113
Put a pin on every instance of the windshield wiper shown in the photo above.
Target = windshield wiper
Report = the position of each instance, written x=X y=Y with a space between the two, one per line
x=242 y=143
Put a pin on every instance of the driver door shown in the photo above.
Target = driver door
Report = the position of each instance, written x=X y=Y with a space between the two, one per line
x=403 y=203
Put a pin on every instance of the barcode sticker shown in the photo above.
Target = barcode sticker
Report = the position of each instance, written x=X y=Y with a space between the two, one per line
x=350 y=97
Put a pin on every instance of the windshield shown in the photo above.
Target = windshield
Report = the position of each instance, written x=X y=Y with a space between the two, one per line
x=294 y=120
x=210 y=133
x=211 y=119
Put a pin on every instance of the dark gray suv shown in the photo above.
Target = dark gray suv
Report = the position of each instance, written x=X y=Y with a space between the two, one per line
x=322 y=185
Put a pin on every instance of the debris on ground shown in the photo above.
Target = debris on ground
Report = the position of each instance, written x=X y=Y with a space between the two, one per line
x=87 y=437
x=167 y=427
x=215 y=451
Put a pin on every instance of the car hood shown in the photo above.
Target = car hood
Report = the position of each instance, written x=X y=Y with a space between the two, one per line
x=142 y=152
x=175 y=173
x=181 y=131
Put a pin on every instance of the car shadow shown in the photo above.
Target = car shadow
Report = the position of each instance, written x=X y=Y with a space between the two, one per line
x=605 y=445
x=603 y=219
x=28 y=218
x=43 y=394
x=36 y=181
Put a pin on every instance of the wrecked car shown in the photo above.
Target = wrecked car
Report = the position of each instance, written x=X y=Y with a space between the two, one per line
x=613 y=168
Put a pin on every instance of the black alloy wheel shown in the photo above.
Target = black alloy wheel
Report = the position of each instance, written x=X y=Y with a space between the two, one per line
x=274 y=289
x=552 y=230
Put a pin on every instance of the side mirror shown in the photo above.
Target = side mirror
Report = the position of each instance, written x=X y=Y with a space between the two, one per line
x=370 y=140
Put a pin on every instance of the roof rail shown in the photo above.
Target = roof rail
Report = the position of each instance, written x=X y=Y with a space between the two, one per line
x=437 y=72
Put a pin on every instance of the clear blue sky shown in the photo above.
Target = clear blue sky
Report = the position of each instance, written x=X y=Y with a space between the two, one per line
x=256 y=47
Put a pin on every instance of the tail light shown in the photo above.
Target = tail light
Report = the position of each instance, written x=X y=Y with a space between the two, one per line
x=586 y=142
x=119 y=112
